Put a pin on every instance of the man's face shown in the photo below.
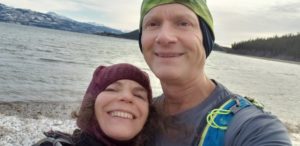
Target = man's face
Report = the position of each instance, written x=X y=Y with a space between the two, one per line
x=172 y=42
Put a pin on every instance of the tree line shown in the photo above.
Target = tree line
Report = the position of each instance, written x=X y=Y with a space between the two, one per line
x=285 y=47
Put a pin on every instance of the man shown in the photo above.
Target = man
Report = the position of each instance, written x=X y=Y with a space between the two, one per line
x=176 y=37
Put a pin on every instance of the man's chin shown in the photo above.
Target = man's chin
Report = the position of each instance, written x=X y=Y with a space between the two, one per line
x=167 y=75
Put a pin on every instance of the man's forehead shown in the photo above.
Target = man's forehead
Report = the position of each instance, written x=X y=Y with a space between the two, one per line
x=171 y=9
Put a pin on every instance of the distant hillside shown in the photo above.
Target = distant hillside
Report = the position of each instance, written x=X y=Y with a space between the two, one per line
x=49 y=20
x=286 y=47
x=133 y=35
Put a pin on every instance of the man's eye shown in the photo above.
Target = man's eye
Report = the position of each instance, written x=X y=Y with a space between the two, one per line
x=183 y=23
x=152 y=24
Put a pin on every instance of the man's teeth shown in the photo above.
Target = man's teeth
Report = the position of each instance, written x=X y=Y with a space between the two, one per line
x=121 y=114
x=168 y=54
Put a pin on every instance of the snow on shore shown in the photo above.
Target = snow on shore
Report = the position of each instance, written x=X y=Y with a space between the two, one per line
x=23 y=124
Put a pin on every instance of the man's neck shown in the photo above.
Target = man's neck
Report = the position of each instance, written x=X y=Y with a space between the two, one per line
x=181 y=97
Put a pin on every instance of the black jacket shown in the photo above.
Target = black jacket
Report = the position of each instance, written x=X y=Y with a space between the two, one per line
x=57 y=138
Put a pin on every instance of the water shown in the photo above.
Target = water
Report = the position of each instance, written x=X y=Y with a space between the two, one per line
x=49 y=65
x=38 y=64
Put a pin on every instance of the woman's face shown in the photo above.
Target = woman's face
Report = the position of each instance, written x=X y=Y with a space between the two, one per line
x=122 y=109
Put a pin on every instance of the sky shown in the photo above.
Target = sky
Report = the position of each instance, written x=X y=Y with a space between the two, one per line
x=234 y=20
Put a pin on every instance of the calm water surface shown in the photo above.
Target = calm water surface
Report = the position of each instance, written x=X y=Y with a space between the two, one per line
x=39 y=64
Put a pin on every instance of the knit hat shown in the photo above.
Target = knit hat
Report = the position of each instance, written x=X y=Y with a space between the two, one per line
x=199 y=7
x=103 y=77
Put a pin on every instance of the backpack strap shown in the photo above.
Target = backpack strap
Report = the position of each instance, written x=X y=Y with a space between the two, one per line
x=218 y=120
x=243 y=116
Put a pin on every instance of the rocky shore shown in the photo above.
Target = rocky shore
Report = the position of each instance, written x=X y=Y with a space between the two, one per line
x=22 y=124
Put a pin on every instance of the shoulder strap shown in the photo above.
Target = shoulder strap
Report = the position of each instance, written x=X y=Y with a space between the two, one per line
x=203 y=122
x=218 y=120
x=243 y=116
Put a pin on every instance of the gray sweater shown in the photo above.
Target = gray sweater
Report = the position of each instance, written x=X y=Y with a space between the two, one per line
x=249 y=127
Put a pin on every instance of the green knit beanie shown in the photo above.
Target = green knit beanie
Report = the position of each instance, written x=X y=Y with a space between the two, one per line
x=199 y=7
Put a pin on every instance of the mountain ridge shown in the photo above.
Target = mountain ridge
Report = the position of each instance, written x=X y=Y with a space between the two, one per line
x=50 y=20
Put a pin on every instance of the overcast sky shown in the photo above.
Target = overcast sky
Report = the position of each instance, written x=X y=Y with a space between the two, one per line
x=235 y=20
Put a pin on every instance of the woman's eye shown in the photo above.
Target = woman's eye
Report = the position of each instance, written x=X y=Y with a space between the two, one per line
x=110 y=89
x=140 y=96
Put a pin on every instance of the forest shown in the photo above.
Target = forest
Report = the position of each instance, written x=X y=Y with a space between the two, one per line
x=285 y=47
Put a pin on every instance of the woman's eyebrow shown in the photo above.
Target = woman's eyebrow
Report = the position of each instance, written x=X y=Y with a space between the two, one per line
x=140 y=89
x=117 y=83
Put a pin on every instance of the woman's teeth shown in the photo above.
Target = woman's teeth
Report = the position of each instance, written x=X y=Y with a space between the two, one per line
x=121 y=114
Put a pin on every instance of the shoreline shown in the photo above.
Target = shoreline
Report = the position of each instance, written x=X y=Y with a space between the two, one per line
x=58 y=110
x=23 y=123
x=265 y=58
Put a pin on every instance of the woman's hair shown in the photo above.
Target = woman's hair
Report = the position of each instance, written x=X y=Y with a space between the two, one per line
x=85 y=115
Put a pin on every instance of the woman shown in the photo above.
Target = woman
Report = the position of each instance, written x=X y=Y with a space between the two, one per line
x=116 y=110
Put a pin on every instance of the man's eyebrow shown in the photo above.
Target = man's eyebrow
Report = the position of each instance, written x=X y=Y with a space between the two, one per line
x=184 y=15
x=150 y=17
x=178 y=16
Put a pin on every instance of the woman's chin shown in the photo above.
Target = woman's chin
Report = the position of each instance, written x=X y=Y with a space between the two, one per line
x=121 y=135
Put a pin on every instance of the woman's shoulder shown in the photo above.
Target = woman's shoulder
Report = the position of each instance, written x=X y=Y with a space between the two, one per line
x=78 y=138
x=55 y=137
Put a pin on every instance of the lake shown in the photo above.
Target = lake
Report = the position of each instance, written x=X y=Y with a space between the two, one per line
x=38 y=64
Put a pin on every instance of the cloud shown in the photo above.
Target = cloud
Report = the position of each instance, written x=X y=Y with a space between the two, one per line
x=251 y=19
x=43 y=6
x=121 y=14
x=288 y=8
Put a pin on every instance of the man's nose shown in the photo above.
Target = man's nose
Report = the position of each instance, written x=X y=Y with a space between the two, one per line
x=166 y=35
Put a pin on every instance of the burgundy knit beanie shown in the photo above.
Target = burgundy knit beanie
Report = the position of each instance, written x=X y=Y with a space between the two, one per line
x=103 y=77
